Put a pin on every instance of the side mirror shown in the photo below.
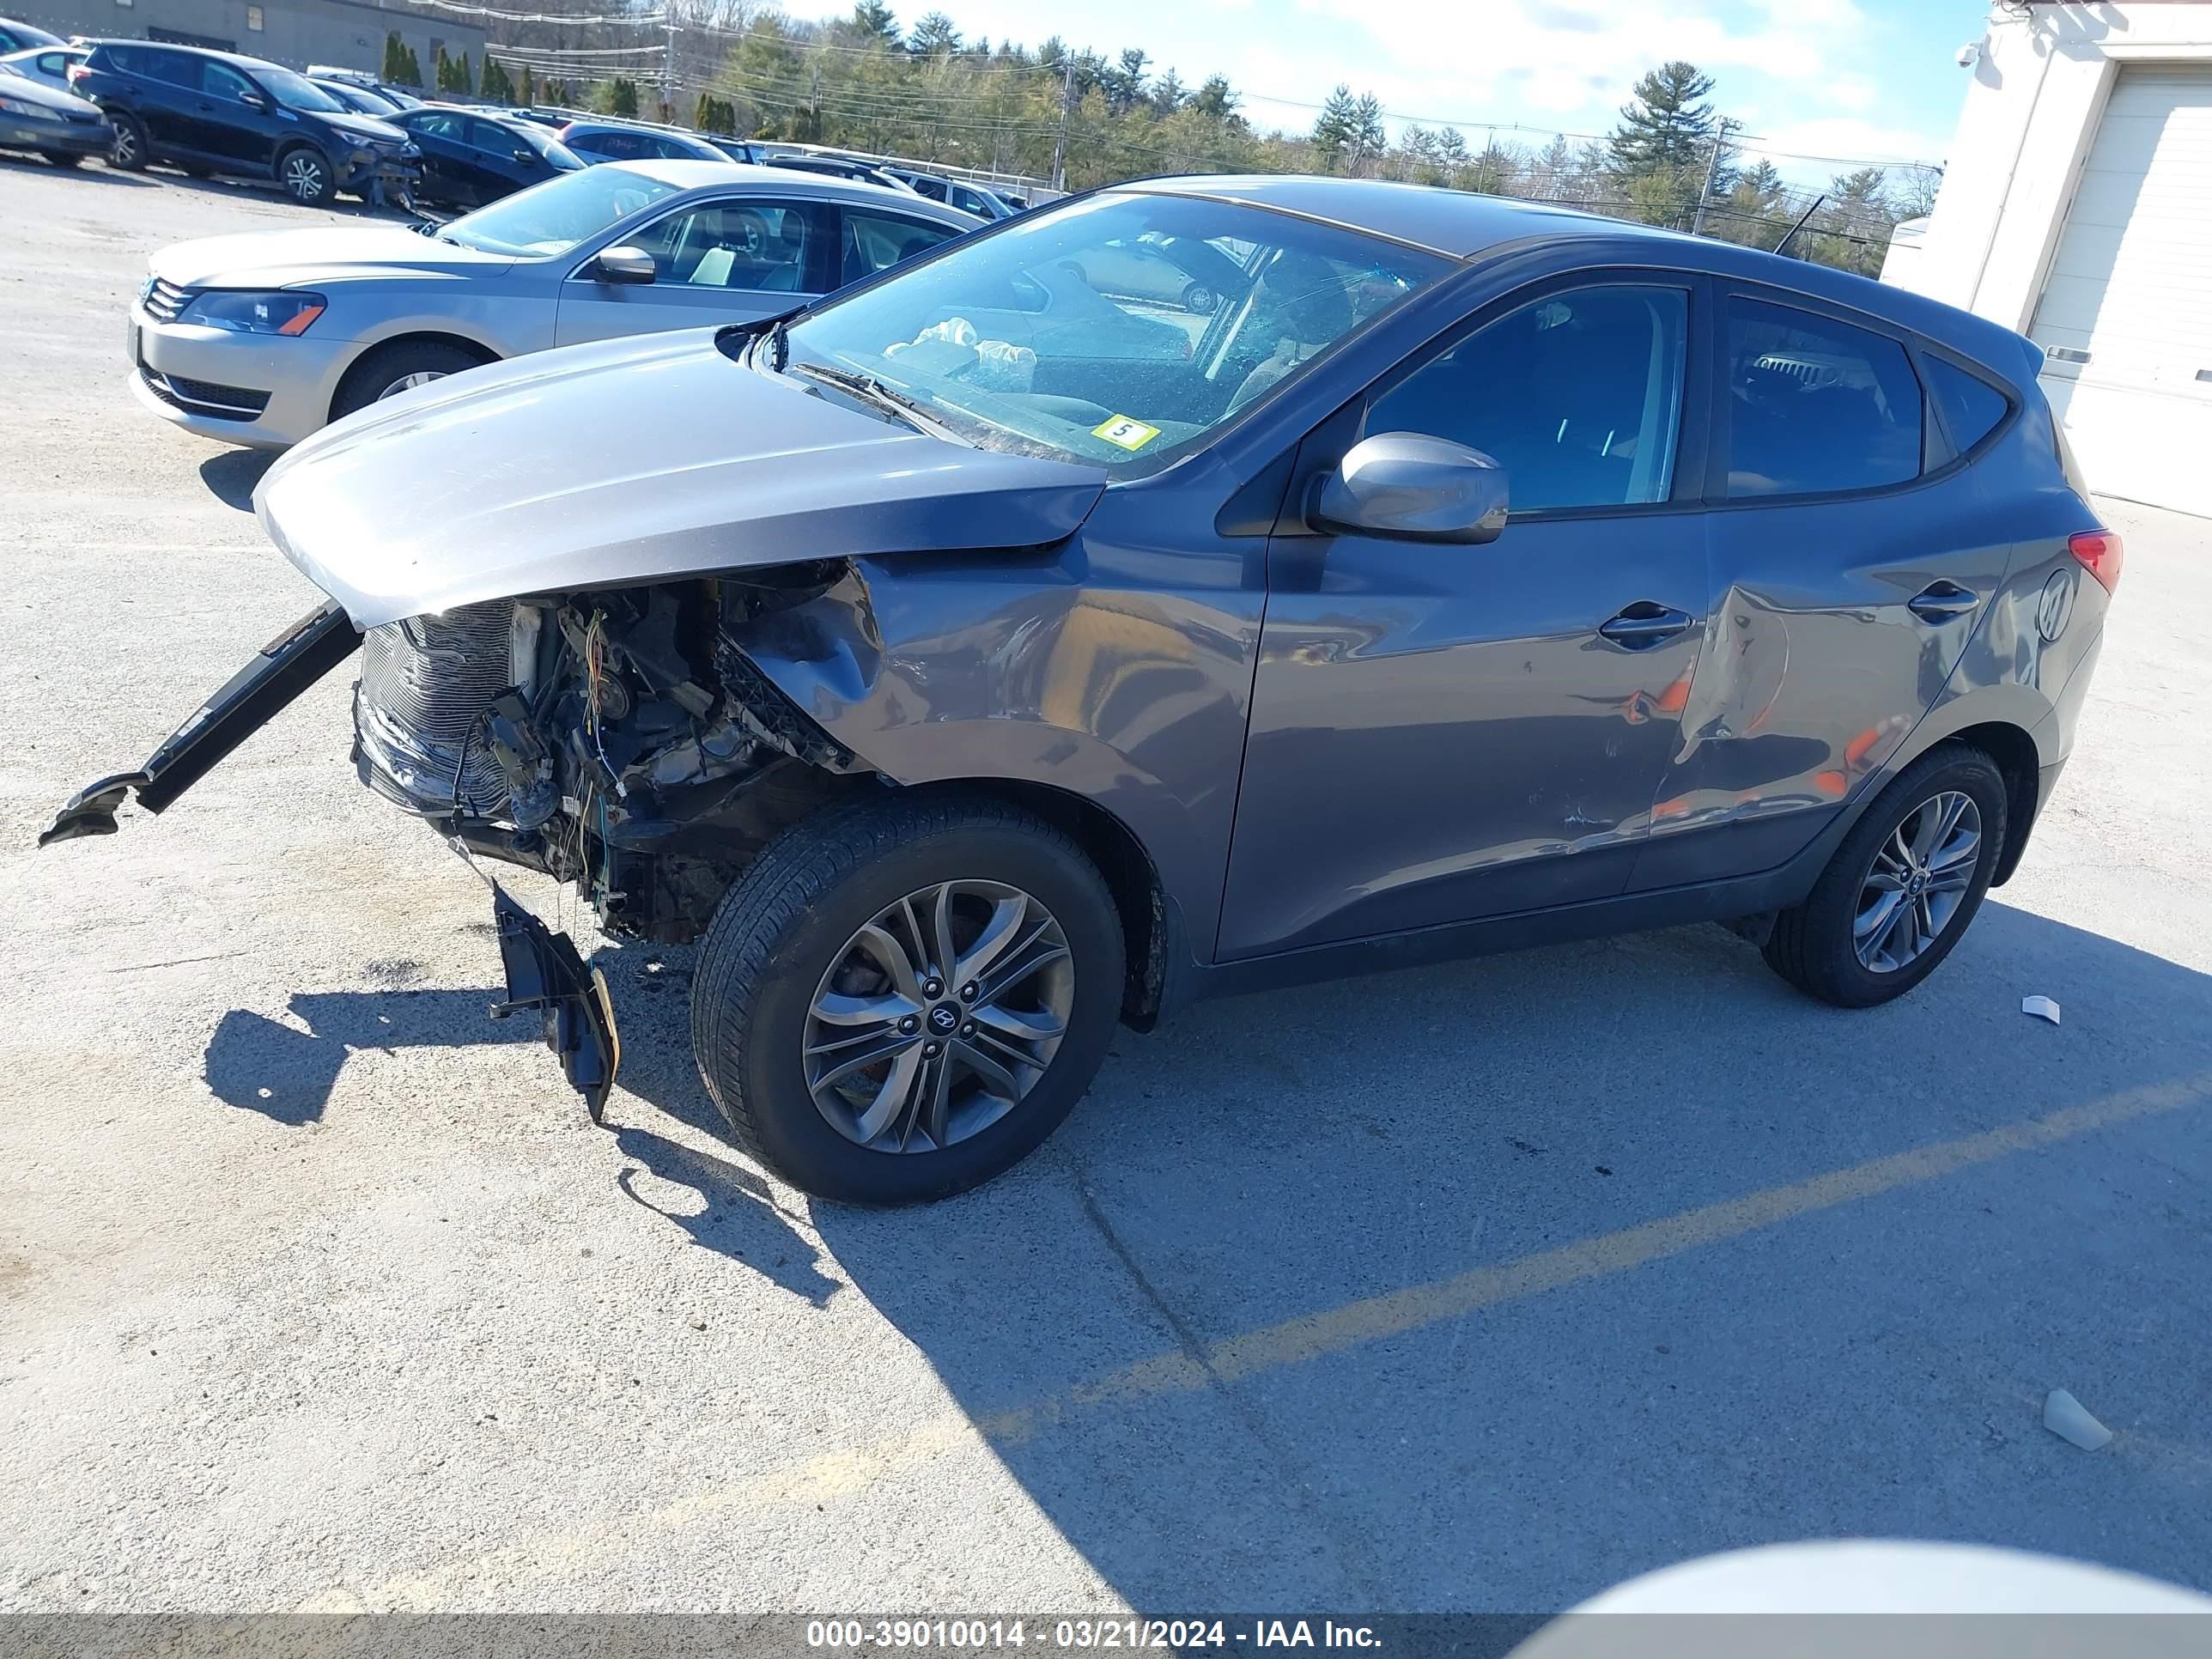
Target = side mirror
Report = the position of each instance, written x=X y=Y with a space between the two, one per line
x=1414 y=488
x=623 y=263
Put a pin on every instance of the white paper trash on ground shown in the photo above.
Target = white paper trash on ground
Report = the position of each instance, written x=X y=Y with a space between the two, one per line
x=2041 y=1007
x=2067 y=1418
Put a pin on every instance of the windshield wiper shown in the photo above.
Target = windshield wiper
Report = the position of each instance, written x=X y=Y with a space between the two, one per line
x=870 y=390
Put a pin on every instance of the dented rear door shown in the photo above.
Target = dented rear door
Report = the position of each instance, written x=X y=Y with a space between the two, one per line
x=1852 y=559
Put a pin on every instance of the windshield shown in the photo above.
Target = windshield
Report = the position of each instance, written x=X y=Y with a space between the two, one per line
x=551 y=218
x=545 y=144
x=1118 y=330
x=297 y=91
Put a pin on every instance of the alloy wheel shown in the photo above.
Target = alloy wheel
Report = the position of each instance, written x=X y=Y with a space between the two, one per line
x=303 y=177
x=409 y=382
x=1920 y=877
x=124 y=149
x=939 y=1017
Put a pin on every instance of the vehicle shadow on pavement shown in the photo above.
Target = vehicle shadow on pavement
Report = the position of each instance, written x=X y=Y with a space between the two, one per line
x=231 y=476
x=261 y=1065
x=1312 y=1165
x=90 y=175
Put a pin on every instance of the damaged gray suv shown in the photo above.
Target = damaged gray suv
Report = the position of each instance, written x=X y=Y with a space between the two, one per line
x=979 y=657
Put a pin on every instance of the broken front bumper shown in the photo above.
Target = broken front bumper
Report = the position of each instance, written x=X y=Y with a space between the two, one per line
x=576 y=1015
x=286 y=666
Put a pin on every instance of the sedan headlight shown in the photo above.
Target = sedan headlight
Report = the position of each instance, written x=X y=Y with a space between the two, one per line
x=28 y=112
x=255 y=313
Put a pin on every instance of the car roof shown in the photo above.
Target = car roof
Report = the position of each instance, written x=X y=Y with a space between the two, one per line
x=1463 y=226
x=235 y=59
x=791 y=181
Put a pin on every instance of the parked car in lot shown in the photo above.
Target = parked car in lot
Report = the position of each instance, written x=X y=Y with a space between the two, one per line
x=471 y=158
x=1182 y=271
x=15 y=35
x=1486 y=574
x=958 y=193
x=362 y=101
x=57 y=125
x=215 y=112
x=361 y=81
x=737 y=149
x=594 y=141
x=837 y=166
x=262 y=339
x=48 y=66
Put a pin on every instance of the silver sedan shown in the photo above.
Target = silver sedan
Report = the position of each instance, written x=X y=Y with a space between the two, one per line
x=261 y=339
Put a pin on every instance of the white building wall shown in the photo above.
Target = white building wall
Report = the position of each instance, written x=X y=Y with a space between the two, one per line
x=2036 y=92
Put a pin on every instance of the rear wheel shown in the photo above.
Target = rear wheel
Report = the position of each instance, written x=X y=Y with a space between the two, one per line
x=901 y=1000
x=305 y=173
x=127 y=150
x=390 y=370
x=1902 y=888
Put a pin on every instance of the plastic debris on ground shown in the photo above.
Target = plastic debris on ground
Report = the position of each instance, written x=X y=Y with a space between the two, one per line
x=2067 y=1418
x=2041 y=1007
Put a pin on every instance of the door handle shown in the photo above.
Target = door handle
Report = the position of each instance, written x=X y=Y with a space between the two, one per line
x=1640 y=626
x=1942 y=602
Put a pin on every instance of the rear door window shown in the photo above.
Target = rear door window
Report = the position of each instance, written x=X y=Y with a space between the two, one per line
x=172 y=68
x=1816 y=407
x=1971 y=406
x=877 y=241
x=1578 y=395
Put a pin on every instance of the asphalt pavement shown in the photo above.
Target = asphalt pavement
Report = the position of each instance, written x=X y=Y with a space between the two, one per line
x=1480 y=1287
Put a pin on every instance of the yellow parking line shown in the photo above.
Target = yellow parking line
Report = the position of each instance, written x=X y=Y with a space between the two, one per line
x=1318 y=1336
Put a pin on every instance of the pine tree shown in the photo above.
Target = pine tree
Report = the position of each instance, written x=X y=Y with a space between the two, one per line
x=621 y=98
x=526 y=89
x=496 y=84
x=1667 y=127
x=1333 y=133
x=395 y=57
x=1369 y=137
x=413 y=75
x=464 y=80
x=933 y=35
x=875 y=19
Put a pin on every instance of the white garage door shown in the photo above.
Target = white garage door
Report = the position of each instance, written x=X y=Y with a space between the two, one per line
x=2126 y=312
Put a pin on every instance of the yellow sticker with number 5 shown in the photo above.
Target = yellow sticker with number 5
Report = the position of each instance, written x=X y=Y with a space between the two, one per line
x=1125 y=430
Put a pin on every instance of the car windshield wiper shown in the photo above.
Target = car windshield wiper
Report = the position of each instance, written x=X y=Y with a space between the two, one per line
x=870 y=390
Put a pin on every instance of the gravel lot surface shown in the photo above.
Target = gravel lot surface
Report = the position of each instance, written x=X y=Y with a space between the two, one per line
x=1482 y=1287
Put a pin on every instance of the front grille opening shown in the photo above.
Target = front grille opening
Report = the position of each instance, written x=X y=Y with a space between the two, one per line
x=166 y=300
x=217 y=402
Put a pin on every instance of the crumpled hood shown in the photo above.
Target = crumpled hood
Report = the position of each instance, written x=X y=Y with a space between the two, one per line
x=274 y=258
x=632 y=461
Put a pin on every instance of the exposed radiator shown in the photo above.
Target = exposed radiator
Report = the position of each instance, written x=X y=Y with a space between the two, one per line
x=423 y=684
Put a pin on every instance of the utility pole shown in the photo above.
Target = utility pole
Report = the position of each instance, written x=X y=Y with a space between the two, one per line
x=668 y=66
x=1712 y=170
x=1060 y=145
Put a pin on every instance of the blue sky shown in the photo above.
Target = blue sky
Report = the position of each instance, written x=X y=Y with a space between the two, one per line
x=1811 y=78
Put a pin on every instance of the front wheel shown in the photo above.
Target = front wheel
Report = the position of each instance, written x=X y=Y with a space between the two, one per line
x=900 y=999
x=1900 y=892
x=126 y=151
x=401 y=367
x=305 y=173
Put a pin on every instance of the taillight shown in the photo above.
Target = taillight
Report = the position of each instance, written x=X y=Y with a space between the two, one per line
x=2101 y=555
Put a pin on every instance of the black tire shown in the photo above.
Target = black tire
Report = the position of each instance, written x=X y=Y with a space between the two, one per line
x=1813 y=946
x=128 y=152
x=304 y=174
x=380 y=373
x=64 y=158
x=1199 y=299
x=784 y=924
